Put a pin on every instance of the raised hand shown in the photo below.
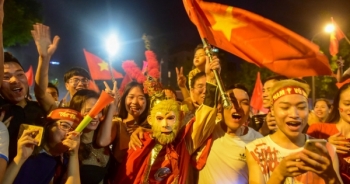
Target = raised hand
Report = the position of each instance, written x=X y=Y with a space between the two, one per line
x=72 y=141
x=113 y=92
x=2 y=11
x=181 y=79
x=341 y=144
x=41 y=36
x=26 y=144
x=210 y=66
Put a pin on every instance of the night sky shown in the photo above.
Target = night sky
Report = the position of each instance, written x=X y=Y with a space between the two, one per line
x=86 y=23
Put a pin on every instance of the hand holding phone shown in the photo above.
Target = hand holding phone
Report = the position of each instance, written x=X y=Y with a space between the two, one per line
x=310 y=145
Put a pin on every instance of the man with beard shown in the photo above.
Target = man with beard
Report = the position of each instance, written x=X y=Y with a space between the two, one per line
x=75 y=79
x=165 y=154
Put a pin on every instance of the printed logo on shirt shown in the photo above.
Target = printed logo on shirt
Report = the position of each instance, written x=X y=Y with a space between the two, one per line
x=242 y=157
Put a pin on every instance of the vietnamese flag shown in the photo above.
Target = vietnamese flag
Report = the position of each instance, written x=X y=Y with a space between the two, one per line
x=257 y=101
x=30 y=76
x=257 y=39
x=99 y=69
x=92 y=86
x=335 y=37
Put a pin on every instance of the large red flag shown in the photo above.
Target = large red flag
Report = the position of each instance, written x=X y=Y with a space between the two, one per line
x=257 y=39
x=257 y=102
x=93 y=86
x=30 y=76
x=99 y=69
x=336 y=36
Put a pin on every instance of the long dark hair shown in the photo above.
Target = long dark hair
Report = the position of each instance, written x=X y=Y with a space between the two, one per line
x=334 y=115
x=123 y=113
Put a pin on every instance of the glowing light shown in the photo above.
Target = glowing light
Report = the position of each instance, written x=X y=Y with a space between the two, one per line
x=55 y=62
x=329 y=28
x=112 y=45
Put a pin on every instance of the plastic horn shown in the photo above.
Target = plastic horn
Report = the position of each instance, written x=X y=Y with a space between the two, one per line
x=227 y=104
x=101 y=103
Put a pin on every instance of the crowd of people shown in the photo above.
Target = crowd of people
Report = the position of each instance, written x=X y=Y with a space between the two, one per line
x=149 y=135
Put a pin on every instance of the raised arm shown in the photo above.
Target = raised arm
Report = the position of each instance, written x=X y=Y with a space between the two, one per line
x=46 y=48
x=181 y=82
x=108 y=129
x=1 y=42
x=205 y=116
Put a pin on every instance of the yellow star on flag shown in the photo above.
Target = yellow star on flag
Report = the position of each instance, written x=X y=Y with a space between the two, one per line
x=103 y=66
x=226 y=22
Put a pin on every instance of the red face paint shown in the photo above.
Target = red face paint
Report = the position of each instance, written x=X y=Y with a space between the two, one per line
x=341 y=109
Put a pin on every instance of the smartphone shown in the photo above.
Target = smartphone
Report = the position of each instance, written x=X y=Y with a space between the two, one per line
x=310 y=145
x=37 y=135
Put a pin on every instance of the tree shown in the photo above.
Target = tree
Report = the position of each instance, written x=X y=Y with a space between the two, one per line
x=20 y=15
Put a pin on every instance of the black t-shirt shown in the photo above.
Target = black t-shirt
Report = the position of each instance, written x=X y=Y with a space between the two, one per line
x=30 y=114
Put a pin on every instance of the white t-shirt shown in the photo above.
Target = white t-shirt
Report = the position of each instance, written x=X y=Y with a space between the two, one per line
x=226 y=162
x=4 y=142
x=268 y=155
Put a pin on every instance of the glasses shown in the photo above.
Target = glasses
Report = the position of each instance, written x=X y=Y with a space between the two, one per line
x=76 y=81
x=65 y=126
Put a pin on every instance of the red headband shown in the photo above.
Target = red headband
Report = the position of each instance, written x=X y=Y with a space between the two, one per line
x=66 y=114
x=288 y=90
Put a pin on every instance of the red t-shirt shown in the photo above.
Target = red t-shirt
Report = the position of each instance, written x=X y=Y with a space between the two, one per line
x=324 y=131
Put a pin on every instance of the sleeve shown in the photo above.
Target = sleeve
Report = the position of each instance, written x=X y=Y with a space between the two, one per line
x=4 y=142
x=205 y=117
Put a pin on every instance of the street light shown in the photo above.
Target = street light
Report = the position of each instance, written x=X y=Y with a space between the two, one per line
x=112 y=47
x=329 y=28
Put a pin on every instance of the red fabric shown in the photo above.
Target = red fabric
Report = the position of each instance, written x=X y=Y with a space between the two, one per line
x=93 y=86
x=30 y=76
x=257 y=39
x=288 y=90
x=99 y=69
x=335 y=37
x=257 y=102
x=174 y=156
x=202 y=160
x=324 y=131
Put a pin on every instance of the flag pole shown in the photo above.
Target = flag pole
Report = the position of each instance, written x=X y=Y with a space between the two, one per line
x=227 y=104
x=111 y=69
